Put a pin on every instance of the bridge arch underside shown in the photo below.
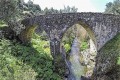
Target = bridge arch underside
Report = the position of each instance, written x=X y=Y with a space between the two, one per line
x=26 y=34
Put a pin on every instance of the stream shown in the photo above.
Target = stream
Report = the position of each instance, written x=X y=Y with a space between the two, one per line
x=76 y=68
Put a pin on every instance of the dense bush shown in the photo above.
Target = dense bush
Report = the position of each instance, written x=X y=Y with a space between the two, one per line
x=8 y=9
x=19 y=62
x=84 y=45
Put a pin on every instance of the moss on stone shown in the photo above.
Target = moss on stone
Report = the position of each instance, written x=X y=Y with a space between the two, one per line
x=26 y=35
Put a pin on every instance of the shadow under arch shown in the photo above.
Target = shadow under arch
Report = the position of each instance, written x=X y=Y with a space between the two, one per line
x=26 y=34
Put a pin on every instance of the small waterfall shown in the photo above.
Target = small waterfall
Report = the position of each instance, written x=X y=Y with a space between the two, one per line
x=76 y=69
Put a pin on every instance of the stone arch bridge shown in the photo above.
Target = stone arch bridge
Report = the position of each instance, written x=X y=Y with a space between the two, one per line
x=101 y=27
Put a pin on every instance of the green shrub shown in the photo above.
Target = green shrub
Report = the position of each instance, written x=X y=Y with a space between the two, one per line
x=83 y=46
x=11 y=68
x=19 y=62
x=67 y=47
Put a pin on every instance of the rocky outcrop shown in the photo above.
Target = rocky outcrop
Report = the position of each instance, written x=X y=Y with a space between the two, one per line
x=88 y=61
x=106 y=67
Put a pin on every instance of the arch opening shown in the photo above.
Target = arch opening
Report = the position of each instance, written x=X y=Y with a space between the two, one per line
x=80 y=50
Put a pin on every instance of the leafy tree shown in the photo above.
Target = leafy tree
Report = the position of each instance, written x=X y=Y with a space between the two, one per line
x=68 y=9
x=46 y=11
x=113 y=8
x=8 y=9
